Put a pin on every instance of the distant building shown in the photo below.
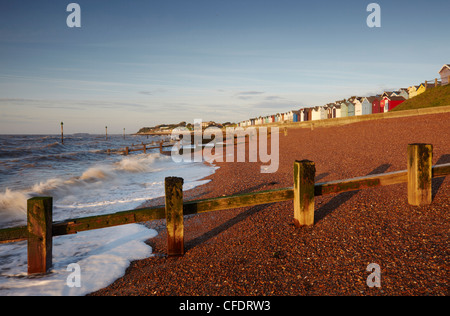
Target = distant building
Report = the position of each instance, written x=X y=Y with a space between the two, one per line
x=358 y=106
x=412 y=91
x=375 y=104
x=318 y=113
x=329 y=108
x=402 y=92
x=301 y=115
x=367 y=105
x=296 y=116
x=387 y=94
x=445 y=74
x=351 y=108
x=207 y=124
x=307 y=114
x=336 y=108
x=387 y=104
x=342 y=109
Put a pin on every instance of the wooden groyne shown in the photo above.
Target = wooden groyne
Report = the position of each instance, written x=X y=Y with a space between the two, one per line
x=40 y=229
x=141 y=147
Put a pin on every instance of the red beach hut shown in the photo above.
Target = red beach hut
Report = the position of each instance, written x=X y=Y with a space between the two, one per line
x=389 y=103
x=376 y=105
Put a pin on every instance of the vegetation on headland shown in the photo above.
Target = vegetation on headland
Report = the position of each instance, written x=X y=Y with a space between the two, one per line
x=438 y=96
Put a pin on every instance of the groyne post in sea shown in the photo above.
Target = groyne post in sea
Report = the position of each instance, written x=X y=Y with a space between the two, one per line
x=62 y=132
x=143 y=147
x=39 y=228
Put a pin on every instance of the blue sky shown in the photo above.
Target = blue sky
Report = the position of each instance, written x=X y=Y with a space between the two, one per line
x=141 y=63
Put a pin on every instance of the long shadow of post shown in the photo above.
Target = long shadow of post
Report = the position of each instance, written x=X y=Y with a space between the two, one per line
x=437 y=183
x=221 y=228
x=341 y=198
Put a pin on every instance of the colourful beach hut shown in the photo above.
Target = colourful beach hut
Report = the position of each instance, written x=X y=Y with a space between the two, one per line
x=351 y=108
x=445 y=74
x=387 y=104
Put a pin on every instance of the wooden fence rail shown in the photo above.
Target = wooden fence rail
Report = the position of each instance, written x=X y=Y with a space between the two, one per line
x=40 y=228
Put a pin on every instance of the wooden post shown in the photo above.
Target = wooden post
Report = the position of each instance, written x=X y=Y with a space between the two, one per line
x=39 y=226
x=160 y=147
x=145 y=148
x=420 y=163
x=304 y=177
x=127 y=151
x=174 y=216
x=106 y=128
x=62 y=132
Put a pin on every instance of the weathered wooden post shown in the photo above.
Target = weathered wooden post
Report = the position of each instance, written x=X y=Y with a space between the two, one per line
x=127 y=151
x=145 y=148
x=62 y=132
x=420 y=163
x=39 y=223
x=304 y=180
x=160 y=147
x=174 y=216
x=106 y=128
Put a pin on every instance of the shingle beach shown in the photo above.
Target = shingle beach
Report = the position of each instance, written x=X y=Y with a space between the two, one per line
x=257 y=251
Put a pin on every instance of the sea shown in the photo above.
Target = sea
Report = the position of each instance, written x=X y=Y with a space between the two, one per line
x=84 y=180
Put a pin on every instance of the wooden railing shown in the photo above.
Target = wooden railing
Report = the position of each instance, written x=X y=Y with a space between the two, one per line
x=40 y=229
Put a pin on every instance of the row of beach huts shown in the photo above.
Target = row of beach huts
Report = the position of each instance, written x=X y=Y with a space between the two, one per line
x=353 y=106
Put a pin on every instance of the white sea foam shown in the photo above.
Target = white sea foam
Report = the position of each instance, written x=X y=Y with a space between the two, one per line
x=13 y=206
x=103 y=255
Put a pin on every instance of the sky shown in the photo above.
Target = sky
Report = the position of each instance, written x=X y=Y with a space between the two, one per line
x=138 y=63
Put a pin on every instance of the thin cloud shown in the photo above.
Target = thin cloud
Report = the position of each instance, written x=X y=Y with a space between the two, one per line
x=247 y=95
x=250 y=93
x=273 y=97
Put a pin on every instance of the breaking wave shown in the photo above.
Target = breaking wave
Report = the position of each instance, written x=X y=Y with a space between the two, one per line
x=100 y=185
